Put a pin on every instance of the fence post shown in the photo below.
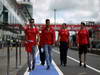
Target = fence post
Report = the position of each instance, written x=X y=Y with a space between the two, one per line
x=16 y=55
x=8 y=56
x=19 y=53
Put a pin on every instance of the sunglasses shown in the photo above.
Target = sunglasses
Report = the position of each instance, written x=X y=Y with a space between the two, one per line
x=32 y=22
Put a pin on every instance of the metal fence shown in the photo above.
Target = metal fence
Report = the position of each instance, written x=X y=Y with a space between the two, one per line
x=11 y=58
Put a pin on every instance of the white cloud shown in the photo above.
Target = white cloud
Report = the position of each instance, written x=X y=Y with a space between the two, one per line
x=73 y=11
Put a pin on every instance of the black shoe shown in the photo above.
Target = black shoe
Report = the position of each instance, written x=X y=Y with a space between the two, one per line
x=29 y=69
x=42 y=64
x=33 y=67
x=64 y=65
x=84 y=65
x=80 y=64
x=48 y=67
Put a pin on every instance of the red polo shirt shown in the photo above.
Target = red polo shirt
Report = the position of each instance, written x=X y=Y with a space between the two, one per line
x=83 y=37
x=64 y=35
x=48 y=35
x=30 y=34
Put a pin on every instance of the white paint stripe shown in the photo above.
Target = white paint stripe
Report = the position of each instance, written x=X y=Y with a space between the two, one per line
x=26 y=72
x=78 y=62
x=56 y=67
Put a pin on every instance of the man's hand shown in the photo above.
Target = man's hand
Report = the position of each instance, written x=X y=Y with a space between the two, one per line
x=70 y=44
x=77 y=45
x=57 y=43
x=37 y=43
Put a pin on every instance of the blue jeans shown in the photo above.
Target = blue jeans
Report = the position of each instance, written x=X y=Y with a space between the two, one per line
x=31 y=57
x=48 y=49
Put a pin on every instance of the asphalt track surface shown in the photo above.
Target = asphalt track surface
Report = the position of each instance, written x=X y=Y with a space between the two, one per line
x=72 y=68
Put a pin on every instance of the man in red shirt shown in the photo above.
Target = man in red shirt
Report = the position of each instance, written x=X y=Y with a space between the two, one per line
x=41 y=50
x=83 y=42
x=31 y=34
x=49 y=40
x=63 y=38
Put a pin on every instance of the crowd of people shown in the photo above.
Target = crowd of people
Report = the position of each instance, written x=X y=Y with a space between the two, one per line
x=45 y=39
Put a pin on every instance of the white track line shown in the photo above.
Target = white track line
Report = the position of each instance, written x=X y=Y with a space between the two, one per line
x=92 y=68
x=56 y=67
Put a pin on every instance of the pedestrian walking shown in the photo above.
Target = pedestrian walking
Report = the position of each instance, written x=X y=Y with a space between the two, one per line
x=49 y=40
x=31 y=34
x=63 y=38
x=83 y=42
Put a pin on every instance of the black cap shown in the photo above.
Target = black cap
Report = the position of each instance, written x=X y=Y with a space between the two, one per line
x=64 y=24
x=82 y=23
x=31 y=20
x=47 y=20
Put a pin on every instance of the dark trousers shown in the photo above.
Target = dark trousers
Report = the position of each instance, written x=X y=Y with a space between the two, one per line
x=42 y=55
x=63 y=52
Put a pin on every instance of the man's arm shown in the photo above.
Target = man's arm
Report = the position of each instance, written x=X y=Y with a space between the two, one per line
x=54 y=37
x=37 y=37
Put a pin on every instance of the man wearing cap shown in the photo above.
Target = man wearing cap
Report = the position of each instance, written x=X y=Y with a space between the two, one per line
x=41 y=43
x=83 y=42
x=49 y=40
x=31 y=34
x=63 y=38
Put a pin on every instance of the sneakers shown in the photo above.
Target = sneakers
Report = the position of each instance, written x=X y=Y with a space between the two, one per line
x=29 y=69
x=48 y=67
x=33 y=67
x=42 y=64
x=80 y=64
x=84 y=65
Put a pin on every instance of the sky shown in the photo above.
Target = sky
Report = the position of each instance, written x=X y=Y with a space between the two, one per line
x=67 y=11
